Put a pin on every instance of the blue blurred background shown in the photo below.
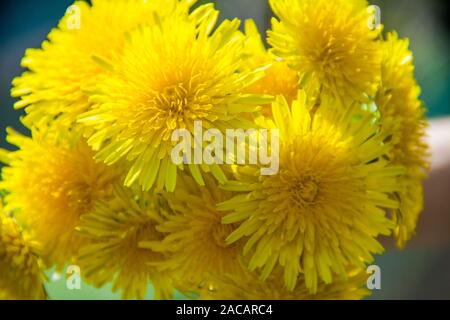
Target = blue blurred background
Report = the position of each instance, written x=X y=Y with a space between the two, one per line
x=422 y=271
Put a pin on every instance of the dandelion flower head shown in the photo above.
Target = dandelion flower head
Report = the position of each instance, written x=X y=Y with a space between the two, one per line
x=403 y=122
x=322 y=212
x=21 y=270
x=330 y=44
x=195 y=235
x=116 y=228
x=171 y=73
x=50 y=183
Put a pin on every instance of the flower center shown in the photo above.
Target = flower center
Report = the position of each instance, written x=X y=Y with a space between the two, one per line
x=80 y=196
x=305 y=191
x=220 y=232
x=173 y=99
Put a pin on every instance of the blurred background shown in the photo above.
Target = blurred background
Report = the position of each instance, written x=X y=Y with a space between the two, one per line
x=422 y=270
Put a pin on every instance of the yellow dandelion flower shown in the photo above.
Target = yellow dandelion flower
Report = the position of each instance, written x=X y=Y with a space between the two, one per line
x=403 y=121
x=323 y=210
x=330 y=44
x=278 y=78
x=21 y=270
x=61 y=71
x=195 y=235
x=116 y=228
x=49 y=185
x=227 y=287
x=170 y=75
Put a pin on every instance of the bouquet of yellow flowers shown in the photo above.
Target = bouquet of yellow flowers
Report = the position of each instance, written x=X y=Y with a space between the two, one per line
x=170 y=149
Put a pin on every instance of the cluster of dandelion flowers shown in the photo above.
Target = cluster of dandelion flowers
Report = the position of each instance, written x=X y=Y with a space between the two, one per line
x=194 y=235
x=330 y=44
x=250 y=287
x=50 y=183
x=95 y=184
x=403 y=119
x=114 y=253
x=170 y=75
x=323 y=211
x=21 y=270
x=61 y=72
